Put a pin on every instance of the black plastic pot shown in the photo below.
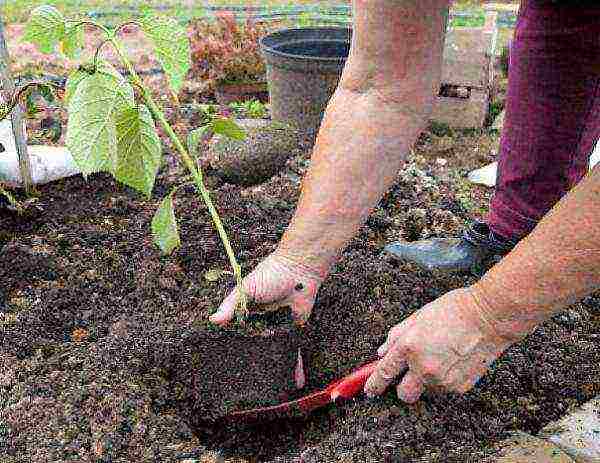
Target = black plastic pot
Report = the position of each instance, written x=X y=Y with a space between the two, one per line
x=303 y=70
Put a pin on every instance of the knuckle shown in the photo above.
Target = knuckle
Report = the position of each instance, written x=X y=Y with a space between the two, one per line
x=431 y=370
x=461 y=388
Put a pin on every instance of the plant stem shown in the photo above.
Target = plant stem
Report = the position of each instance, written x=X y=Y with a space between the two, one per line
x=196 y=172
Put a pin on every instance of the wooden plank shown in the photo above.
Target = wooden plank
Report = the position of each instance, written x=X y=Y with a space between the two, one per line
x=17 y=119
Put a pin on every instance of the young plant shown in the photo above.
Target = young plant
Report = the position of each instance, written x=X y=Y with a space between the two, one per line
x=112 y=119
x=254 y=109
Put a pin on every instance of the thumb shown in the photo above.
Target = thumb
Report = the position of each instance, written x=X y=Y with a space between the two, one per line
x=226 y=310
x=411 y=388
x=302 y=301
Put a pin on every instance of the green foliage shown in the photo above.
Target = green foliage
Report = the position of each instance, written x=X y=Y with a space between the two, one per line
x=214 y=125
x=171 y=46
x=72 y=42
x=139 y=149
x=92 y=129
x=10 y=198
x=164 y=226
x=227 y=128
x=194 y=138
x=254 y=109
x=108 y=130
x=504 y=59
x=45 y=29
x=73 y=81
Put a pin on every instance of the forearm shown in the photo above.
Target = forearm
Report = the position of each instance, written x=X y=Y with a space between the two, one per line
x=381 y=105
x=556 y=265
x=360 y=147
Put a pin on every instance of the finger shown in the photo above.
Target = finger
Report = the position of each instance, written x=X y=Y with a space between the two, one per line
x=226 y=310
x=411 y=388
x=382 y=349
x=388 y=368
x=302 y=302
x=394 y=334
x=301 y=310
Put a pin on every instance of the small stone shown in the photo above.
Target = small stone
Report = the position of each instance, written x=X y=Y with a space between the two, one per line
x=264 y=152
x=79 y=334
x=91 y=274
x=167 y=283
x=213 y=275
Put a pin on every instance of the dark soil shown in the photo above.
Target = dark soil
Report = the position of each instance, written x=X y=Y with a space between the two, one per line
x=102 y=337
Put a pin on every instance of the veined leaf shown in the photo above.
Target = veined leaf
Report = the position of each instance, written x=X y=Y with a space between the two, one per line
x=91 y=128
x=86 y=70
x=228 y=128
x=164 y=226
x=73 y=41
x=171 y=45
x=73 y=81
x=45 y=29
x=194 y=137
x=139 y=149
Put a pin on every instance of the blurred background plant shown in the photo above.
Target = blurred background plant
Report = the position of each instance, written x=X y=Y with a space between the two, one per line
x=253 y=109
x=227 y=51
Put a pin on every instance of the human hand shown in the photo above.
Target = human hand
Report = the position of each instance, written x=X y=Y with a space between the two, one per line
x=276 y=282
x=448 y=345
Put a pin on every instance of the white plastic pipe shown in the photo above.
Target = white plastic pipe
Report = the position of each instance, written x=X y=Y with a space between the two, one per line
x=48 y=163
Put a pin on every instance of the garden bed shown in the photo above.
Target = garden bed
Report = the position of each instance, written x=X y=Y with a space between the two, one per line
x=93 y=318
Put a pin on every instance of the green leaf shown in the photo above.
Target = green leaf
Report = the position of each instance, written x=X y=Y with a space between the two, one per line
x=73 y=42
x=194 y=137
x=91 y=128
x=73 y=81
x=139 y=149
x=45 y=29
x=228 y=128
x=164 y=226
x=171 y=45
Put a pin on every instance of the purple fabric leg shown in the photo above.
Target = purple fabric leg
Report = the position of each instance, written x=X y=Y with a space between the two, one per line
x=552 y=113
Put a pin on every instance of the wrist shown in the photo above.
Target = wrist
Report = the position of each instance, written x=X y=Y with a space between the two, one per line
x=498 y=317
x=299 y=267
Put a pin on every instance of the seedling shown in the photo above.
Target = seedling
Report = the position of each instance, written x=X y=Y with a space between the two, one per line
x=253 y=109
x=112 y=119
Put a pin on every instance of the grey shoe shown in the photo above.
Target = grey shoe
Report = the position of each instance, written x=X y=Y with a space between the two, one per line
x=469 y=253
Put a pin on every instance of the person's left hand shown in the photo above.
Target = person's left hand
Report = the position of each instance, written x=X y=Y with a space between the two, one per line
x=447 y=345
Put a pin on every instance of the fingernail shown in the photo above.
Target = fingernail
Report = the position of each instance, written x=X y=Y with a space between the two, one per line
x=382 y=350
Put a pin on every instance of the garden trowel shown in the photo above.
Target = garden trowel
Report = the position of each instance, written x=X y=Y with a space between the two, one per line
x=345 y=388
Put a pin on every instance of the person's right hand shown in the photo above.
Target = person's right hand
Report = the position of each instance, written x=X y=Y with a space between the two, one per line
x=276 y=282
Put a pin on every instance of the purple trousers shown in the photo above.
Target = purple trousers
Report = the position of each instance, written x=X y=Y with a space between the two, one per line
x=552 y=117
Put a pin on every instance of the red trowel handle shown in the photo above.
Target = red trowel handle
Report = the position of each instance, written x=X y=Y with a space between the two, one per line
x=348 y=387
x=353 y=384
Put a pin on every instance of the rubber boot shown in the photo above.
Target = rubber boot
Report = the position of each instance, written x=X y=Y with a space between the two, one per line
x=469 y=253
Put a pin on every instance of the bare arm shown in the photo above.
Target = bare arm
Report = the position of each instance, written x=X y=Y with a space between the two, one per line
x=381 y=105
x=451 y=342
x=557 y=264
x=379 y=109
